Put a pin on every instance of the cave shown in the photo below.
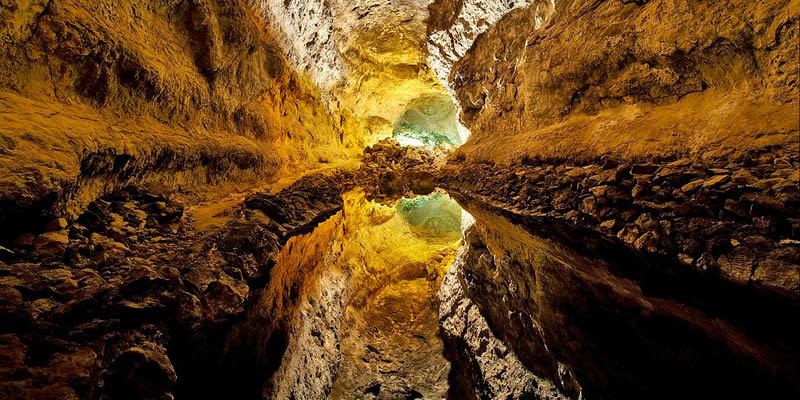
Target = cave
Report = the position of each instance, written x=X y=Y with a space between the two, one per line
x=416 y=199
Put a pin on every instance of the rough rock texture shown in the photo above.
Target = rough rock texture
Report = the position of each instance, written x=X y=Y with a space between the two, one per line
x=177 y=94
x=731 y=219
x=130 y=301
x=370 y=56
x=588 y=309
x=631 y=78
x=333 y=294
x=633 y=173
x=483 y=366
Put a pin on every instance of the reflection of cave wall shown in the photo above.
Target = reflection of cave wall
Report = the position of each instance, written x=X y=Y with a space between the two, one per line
x=614 y=324
x=365 y=278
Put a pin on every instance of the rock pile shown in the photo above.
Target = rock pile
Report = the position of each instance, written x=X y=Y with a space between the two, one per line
x=96 y=301
x=113 y=303
x=718 y=216
x=102 y=306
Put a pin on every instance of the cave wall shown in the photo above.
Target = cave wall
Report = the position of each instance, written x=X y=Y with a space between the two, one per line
x=370 y=57
x=177 y=94
x=633 y=79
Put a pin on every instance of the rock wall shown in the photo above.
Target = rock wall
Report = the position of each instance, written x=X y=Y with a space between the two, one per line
x=631 y=79
x=175 y=94
x=370 y=57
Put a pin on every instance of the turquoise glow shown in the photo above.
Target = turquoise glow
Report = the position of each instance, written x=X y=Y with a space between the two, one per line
x=436 y=213
x=414 y=135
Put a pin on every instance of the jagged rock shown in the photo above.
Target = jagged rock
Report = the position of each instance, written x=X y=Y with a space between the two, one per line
x=223 y=299
x=51 y=244
x=743 y=177
x=648 y=241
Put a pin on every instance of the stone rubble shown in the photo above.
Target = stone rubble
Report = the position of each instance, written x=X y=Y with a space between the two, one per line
x=725 y=217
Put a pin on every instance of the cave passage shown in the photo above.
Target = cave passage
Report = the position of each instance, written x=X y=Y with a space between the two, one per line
x=393 y=200
x=431 y=121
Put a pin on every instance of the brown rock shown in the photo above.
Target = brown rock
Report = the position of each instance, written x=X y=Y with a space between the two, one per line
x=39 y=307
x=743 y=177
x=609 y=224
x=24 y=240
x=52 y=244
x=692 y=186
x=734 y=207
x=224 y=298
x=706 y=263
x=141 y=373
x=766 y=184
x=638 y=191
x=682 y=163
x=599 y=191
x=756 y=242
x=629 y=234
x=648 y=241
x=763 y=201
x=10 y=300
x=778 y=275
x=737 y=266
x=589 y=207
x=715 y=181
